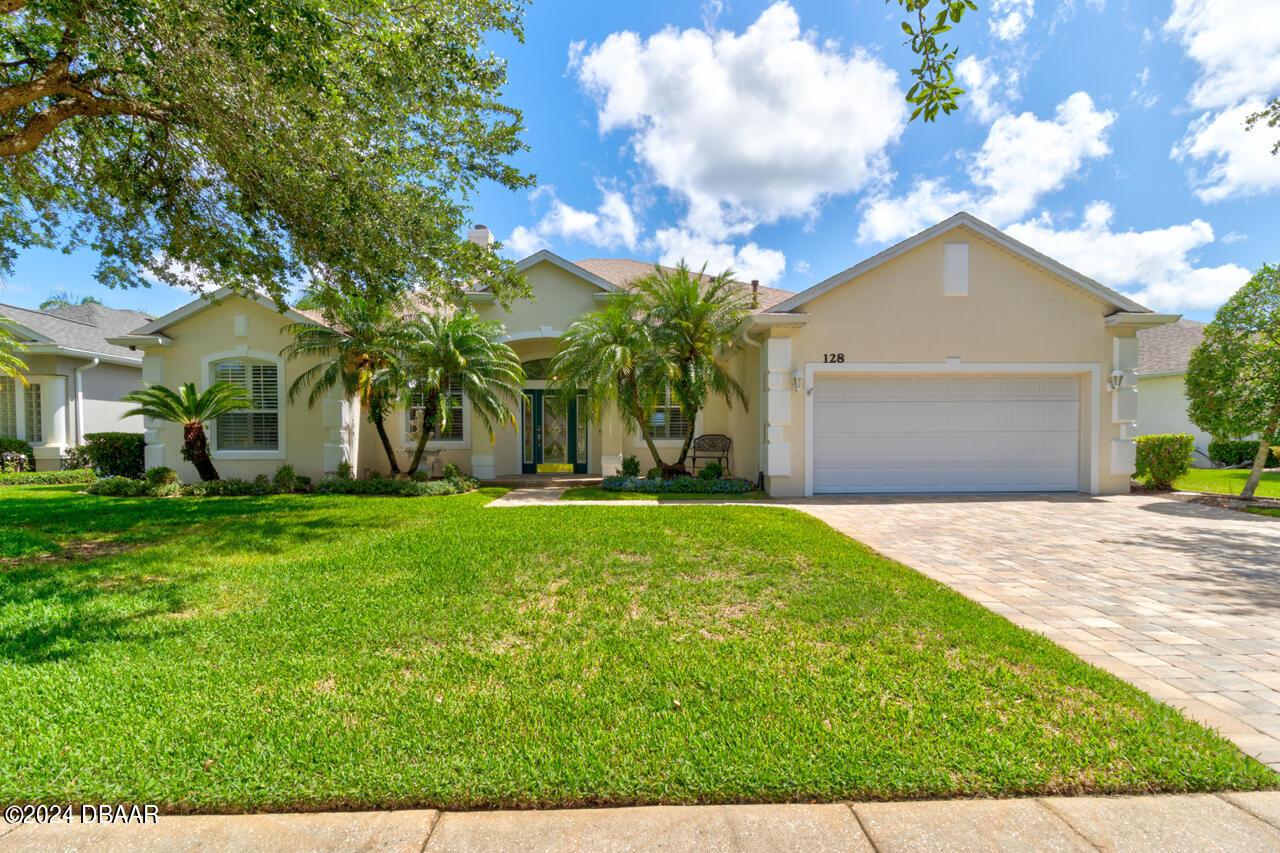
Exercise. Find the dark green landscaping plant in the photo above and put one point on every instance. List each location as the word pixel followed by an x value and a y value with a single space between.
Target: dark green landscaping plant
pixel 115 454
pixel 192 409
pixel 1162 459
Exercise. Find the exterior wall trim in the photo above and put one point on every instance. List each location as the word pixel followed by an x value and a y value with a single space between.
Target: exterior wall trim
pixel 1092 369
pixel 282 428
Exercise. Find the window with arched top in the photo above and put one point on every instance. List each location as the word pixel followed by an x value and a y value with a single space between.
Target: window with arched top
pixel 258 427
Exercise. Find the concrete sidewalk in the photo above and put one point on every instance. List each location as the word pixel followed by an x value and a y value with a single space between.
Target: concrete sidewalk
pixel 1167 824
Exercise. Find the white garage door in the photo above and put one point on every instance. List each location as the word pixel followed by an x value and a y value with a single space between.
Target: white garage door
pixel 946 433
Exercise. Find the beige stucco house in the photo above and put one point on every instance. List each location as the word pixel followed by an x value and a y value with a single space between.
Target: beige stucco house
pixel 74 378
pixel 959 360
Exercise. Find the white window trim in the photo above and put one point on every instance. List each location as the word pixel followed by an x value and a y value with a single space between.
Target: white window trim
pixel 669 443
pixel 1091 370
pixel 410 443
pixel 206 379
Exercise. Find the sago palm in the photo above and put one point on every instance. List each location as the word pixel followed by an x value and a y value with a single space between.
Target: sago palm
pixel 360 350
pixel 192 410
pixel 10 346
pixel 610 357
pixel 458 348
pixel 694 318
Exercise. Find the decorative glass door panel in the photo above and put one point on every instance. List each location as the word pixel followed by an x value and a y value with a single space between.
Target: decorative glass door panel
pixel 554 440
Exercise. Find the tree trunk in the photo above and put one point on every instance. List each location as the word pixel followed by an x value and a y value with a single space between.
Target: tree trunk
pixel 1259 462
pixel 386 444
pixel 637 412
pixel 690 418
pixel 425 429
pixel 195 446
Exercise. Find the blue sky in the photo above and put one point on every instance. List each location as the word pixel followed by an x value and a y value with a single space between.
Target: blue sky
pixel 773 137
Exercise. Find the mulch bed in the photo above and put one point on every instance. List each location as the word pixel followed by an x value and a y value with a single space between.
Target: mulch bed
pixel 1207 498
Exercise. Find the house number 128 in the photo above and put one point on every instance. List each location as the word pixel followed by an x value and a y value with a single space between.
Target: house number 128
pixel 833 358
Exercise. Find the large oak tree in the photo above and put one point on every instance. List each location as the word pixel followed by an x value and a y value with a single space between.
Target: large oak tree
pixel 255 143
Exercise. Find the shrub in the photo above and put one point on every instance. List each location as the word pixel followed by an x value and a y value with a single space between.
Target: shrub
pixel 47 478
pixel 76 459
pixel 344 470
pixel 452 471
pixel 230 488
pixel 1238 453
pixel 1163 458
pixel 286 479
pixel 17 445
pixel 118 487
pixel 161 476
pixel 678 485
pixel 713 471
pixel 335 485
pixel 654 473
pixel 630 467
pixel 115 454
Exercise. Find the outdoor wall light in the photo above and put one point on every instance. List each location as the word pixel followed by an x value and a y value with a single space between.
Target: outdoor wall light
pixel 797 379
pixel 1116 380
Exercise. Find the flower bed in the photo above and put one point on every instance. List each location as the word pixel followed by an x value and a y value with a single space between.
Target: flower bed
pixel 678 485
pixel 163 483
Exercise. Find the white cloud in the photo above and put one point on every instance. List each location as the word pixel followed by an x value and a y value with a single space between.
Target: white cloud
pixel 611 225
pixel 987 91
pixel 1157 267
pixel 1236 162
pixel 747 262
pixel 1234 237
pixel 1025 157
pixel 1141 92
pixel 747 128
pixel 889 218
pixel 1009 18
pixel 1022 159
pixel 1233 42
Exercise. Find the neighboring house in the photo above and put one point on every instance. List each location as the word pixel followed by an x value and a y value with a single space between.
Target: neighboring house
pixel 959 360
pixel 75 378
pixel 1163 354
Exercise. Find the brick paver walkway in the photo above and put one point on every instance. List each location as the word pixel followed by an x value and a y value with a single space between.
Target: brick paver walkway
pixel 1179 599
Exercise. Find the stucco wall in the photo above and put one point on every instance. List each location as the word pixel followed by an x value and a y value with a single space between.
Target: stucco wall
pixel 1162 408
pixel 1014 312
pixel 210 333
pixel 103 386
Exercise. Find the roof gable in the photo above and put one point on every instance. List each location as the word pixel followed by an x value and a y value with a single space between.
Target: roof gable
pixel 84 330
pixel 544 256
pixel 203 303
pixel 966 220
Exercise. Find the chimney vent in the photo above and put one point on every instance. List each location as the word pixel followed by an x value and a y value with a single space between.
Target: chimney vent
pixel 755 293
pixel 480 235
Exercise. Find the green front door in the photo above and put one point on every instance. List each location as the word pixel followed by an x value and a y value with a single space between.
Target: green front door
pixel 554 438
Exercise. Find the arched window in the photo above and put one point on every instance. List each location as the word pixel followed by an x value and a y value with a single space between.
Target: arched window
pixel 258 427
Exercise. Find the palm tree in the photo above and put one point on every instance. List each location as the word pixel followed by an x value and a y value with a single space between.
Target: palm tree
pixel 10 346
pixel 457 348
pixel 694 318
pixel 193 410
pixel 610 356
pixel 63 298
pixel 360 350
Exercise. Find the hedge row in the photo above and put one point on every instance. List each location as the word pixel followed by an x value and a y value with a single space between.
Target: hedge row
pixel 163 483
pixel 47 478
pixel 1239 453
pixel 115 454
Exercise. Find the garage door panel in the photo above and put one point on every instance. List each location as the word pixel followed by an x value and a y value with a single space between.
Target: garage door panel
pixel 933 433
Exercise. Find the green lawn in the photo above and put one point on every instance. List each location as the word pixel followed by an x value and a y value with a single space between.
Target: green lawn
pixel 595 493
pixel 1226 481
pixel 301 652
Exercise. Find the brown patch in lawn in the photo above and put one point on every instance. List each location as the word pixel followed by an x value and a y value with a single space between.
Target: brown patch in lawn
pixel 77 550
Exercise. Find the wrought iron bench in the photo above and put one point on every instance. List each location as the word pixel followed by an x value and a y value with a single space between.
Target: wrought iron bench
pixel 711 447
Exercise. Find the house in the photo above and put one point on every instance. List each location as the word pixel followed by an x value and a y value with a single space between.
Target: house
pixel 1163 354
pixel 75 377
pixel 959 360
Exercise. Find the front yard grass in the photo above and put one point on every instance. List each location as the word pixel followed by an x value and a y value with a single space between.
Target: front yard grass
pixel 1227 481
pixel 314 652
pixel 595 493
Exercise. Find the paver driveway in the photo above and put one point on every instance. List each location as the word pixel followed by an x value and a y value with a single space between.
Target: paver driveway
pixel 1181 600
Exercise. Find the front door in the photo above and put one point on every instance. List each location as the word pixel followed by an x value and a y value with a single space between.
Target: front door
pixel 554 438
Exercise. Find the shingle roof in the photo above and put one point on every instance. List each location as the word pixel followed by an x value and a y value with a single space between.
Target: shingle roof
pixel 80 327
pixel 1167 349
pixel 622 271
